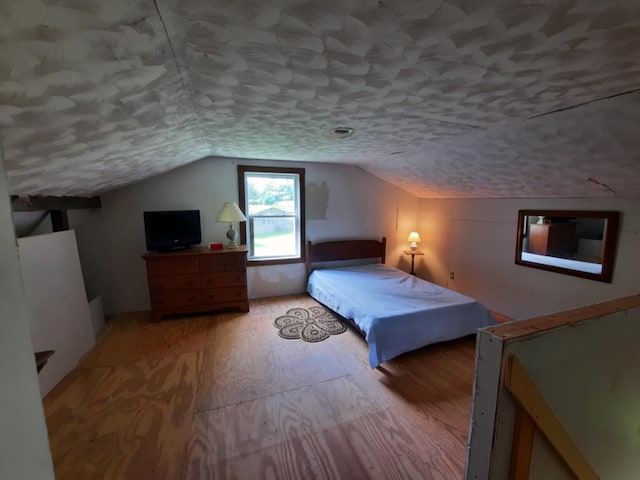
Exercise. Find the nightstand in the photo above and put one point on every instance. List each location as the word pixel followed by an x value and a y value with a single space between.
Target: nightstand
pixel 413 254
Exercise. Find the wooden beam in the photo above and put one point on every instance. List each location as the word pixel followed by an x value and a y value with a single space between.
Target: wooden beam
pixel 38 203
pixel 520 384
pixel 59 220
pixel 522 446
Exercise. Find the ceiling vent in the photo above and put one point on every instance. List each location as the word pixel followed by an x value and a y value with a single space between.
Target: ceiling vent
pixel 341 132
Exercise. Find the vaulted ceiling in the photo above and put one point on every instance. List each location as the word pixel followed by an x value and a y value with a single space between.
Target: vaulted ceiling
pixel 468 98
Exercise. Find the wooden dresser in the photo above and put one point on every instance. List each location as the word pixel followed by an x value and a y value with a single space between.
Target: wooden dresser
pixel 553 238
pixel 197 280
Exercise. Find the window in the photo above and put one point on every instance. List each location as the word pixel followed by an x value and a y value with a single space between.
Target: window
pixel 272 199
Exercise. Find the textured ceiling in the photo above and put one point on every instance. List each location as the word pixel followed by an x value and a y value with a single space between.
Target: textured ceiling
pixel 471 98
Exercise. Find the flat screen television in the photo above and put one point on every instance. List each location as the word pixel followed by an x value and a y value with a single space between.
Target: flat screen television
pixel 172 229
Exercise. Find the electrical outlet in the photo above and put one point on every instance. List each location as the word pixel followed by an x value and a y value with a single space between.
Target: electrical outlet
pixel 452 275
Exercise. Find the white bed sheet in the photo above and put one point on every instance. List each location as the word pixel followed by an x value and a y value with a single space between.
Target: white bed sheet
pixel 396 311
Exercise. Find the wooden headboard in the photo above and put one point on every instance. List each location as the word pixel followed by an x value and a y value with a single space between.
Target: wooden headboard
pixel 345 250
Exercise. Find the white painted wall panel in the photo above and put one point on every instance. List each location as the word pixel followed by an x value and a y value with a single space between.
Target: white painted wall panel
pixel 24 446
pixel 57 302
pixel 488 360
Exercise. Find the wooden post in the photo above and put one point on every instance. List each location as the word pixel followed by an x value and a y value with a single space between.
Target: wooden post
pixel 520 384
pixel 522 446
pixel 59 220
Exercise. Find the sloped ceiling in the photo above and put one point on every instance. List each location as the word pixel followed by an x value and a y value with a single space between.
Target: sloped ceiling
pixel 471 98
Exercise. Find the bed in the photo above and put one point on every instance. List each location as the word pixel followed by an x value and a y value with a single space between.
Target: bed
pixel 396 312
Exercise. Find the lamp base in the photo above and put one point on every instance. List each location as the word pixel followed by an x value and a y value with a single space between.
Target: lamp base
pixel 232 235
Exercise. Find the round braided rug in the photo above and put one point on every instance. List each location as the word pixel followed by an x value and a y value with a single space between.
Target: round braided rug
pixel 311 325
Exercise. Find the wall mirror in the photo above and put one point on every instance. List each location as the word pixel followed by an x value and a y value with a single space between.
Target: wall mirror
pixel 579 243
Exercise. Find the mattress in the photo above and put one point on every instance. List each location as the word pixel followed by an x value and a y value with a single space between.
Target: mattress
pixel 397 312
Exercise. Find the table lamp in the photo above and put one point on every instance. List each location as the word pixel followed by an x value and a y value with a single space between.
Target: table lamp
pixel 231 213
pixel 414 239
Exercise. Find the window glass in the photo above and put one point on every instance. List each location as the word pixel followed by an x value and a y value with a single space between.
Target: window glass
pixel 272 200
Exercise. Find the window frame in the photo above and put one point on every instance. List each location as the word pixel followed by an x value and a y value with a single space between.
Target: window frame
pixel 242 169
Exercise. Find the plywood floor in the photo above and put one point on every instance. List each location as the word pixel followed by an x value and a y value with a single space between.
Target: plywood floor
pixel 223 396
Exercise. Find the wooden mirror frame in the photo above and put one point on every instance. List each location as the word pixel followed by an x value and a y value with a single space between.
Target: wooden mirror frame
pixel 610 239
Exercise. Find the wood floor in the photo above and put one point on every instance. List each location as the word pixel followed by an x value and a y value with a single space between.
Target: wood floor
pixel 223 396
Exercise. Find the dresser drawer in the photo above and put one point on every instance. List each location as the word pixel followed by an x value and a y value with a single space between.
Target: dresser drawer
pixel 235 264
pixel 222 263
pixel 174 283
pixel 175 299
pixel 172 266
pixel 211 263
pixel 562 238
pixel 224 279
pixel 227 294
pixel 552 239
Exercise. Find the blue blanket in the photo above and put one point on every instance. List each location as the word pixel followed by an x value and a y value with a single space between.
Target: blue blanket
pixel 396 311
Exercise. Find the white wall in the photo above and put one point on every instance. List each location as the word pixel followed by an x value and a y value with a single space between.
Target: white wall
pixel 476 240
pixel 56 300
pixel 342 202
pixel 24 447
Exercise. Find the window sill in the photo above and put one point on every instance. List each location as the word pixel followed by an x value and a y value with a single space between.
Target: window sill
pixel 274 261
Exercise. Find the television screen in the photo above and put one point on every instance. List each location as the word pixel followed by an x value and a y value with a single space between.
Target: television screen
pixel 171 230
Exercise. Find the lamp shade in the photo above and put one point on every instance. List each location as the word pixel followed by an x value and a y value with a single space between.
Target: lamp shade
pixel 231 213
pixel 414 237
